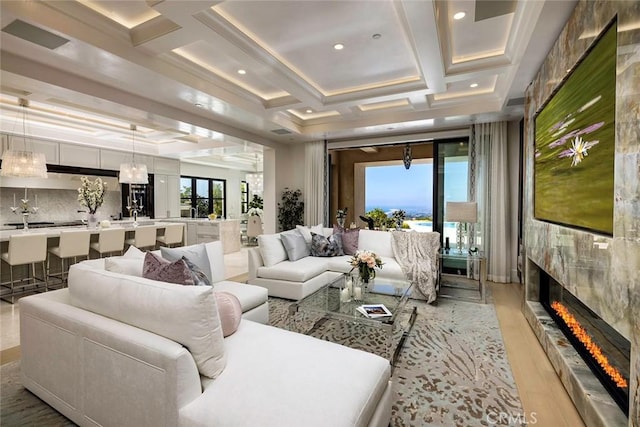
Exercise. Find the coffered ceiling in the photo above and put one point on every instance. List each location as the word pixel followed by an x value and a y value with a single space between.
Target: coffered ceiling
pixel 216 79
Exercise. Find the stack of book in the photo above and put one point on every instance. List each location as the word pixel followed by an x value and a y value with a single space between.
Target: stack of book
pixel 374 311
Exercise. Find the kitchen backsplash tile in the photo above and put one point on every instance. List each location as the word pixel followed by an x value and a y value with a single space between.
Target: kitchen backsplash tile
pixel 54 205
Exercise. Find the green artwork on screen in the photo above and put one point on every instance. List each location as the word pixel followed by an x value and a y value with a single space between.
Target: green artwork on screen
pixel 575 144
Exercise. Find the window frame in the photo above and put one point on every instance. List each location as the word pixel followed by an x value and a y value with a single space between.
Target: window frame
pixel 209 200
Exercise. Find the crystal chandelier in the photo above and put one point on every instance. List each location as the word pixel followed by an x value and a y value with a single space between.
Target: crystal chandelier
pixel 24 164
pixel 133 173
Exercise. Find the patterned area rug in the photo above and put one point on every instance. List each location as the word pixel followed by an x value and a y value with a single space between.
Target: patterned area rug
pixel 453 368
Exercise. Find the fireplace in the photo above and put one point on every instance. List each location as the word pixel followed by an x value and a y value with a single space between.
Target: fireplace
pixel 603 349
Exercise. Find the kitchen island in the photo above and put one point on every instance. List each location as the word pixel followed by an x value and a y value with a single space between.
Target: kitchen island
pixel 202 230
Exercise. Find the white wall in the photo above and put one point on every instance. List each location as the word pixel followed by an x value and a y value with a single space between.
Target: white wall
pixel 513 153
pixel 233 178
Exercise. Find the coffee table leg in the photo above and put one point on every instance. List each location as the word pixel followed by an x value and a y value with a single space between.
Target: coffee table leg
pixel 405 334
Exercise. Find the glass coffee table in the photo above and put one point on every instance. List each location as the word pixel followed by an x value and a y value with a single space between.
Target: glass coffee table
pixel 329 303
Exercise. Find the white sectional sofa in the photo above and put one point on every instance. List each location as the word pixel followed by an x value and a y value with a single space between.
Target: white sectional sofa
pixel 296 279
pixel 118 350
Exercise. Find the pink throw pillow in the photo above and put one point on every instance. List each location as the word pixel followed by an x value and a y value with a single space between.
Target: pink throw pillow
pixel 160 269
pixel 230 312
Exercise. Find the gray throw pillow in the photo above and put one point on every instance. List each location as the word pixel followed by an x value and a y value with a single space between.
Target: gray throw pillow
pixel 197 254
pixel 295 244
pixel 324 246
pixel 199 278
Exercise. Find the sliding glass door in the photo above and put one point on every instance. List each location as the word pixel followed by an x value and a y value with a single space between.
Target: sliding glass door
pixel 451 177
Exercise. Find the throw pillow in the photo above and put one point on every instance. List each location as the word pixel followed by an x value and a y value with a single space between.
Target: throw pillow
pixel 350 240
pixel 162 270
pixel 230 312
pixel 306 231
pixel 133 253
pixel 294 244
pixel 271 249
pixel 199 277
pixel 122 265
pixel 197 254
pixel 324 246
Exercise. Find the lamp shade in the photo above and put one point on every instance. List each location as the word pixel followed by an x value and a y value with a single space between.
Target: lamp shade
pixel 24 164
pixel 133 173
pixel 461 212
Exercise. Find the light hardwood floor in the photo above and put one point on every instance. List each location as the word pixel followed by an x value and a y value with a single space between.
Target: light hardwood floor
pixel 543 397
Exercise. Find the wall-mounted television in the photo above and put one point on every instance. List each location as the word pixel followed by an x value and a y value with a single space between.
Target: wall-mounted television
pixel 575 143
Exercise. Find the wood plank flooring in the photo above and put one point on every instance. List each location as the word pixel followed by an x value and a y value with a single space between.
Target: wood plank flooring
pixel 543 396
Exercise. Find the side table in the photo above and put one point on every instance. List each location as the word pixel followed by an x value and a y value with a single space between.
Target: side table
pixel 470 276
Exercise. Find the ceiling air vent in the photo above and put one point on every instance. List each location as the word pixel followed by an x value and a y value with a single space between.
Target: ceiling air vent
pixel 515 101
pixel 281 131
pixel 34 34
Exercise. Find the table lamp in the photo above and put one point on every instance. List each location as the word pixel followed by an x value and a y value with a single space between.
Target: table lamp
pixel 461 212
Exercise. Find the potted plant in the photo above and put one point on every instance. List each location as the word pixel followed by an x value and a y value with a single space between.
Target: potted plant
pixel 291 209
pixel 91 194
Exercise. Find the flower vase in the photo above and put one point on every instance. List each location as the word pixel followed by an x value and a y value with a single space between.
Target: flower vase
pixel 92 221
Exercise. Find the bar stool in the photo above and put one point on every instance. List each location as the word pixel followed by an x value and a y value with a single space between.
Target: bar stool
pixel 109 240
pixel 72 245
pixel 173 233
pixel 143 237
pixel 24 249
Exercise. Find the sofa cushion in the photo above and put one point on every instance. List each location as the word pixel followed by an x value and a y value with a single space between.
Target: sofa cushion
pixel 185 314
pixel 271 249
pixel 315 382
pixel 390 269
pixel 306 231
pixel 325 246
pixel 295 271
pixel 375 241
pixel 133 253
pixel 230 312
pixel 250 296
pixel 122 265
pixel 340 264
pixel 197 254
pixel 294 244
pixel 158 268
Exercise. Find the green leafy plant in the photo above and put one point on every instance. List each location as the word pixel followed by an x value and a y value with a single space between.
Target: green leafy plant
pixel 380 218
pixel 291 209
pixel 256 202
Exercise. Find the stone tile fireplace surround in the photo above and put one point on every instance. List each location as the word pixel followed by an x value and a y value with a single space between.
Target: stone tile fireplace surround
pixel 602 272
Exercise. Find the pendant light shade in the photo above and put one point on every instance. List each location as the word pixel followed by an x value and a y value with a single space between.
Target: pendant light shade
pixel 23 164
pixel 133 173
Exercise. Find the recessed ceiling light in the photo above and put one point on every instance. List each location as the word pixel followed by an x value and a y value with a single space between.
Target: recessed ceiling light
pixel 338 46
pixel 241 71
pixel 198 105
pixel 473 85
pixel 309 111
pixel 459 16
pixel 376 36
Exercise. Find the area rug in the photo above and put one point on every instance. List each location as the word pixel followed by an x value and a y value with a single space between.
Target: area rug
pixel 452 371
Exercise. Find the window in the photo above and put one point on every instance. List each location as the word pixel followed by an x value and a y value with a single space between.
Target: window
pixel 244 196
pixel 204 195
pixel 390 186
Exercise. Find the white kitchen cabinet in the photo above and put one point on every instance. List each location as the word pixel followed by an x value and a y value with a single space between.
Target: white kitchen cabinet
pixel 111 160
pixel 166 195
pixel 79 155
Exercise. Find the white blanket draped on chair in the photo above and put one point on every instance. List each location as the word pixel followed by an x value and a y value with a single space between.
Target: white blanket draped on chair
pixel 417 254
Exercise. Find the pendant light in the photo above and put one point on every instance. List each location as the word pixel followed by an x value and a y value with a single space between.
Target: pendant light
pixel 23 164
pixel 133 173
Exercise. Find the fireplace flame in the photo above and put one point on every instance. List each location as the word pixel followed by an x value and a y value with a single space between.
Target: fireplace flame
pixel 596 352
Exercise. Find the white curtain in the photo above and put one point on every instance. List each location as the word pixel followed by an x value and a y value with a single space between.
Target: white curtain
pixel 490 189
pixel 314 182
